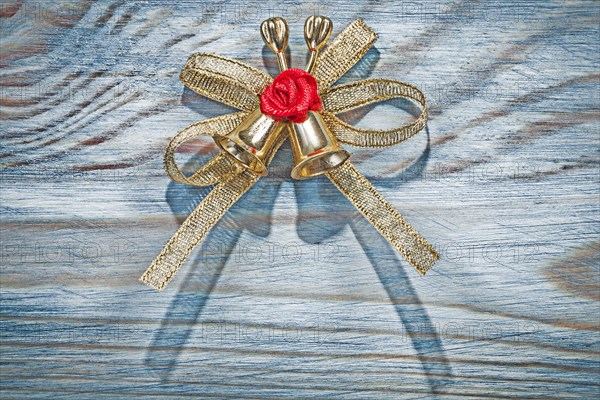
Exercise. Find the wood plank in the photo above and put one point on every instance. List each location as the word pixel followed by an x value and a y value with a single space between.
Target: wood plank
pixel 293 294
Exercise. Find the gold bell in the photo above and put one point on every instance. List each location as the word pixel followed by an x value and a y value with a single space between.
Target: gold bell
pixel 314 148
pixel 254 141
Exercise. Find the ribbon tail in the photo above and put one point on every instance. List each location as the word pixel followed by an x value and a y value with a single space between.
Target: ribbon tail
pixel 195 227
pixel 384 217
pixel 350 45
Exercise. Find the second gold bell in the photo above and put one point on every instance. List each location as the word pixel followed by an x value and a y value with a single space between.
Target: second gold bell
pixel 314 148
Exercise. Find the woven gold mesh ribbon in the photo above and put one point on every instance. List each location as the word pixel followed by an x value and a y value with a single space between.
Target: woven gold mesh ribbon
pixel 384 217
pixel 239 85
pixel 350 96
pixel 196 226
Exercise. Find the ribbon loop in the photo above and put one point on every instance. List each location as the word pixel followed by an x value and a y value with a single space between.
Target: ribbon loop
pixel 342 98
pixel 225 80
pixel 357 94
pixel 217 168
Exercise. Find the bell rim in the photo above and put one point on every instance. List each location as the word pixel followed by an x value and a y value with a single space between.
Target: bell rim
pixel 302 164
pixel 262 168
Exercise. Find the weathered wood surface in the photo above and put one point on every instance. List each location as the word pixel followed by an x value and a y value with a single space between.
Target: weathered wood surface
pixel 293 294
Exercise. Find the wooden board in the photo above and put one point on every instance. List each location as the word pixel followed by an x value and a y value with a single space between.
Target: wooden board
pixel 293 294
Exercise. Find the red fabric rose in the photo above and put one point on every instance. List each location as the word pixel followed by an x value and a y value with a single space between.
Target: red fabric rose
pixel 291 95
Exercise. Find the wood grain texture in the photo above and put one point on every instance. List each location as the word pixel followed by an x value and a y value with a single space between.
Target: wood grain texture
pixel 293 294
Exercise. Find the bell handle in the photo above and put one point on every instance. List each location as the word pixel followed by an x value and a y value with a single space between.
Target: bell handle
pixel 274 32
pixel 317 30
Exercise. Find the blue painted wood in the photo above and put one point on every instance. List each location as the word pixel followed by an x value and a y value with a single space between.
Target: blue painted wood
pixel 293 294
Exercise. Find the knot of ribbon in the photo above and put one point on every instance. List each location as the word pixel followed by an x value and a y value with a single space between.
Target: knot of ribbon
pixel 301 105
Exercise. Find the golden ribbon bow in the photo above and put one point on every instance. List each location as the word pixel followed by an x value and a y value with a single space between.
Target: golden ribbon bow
pixel 239 85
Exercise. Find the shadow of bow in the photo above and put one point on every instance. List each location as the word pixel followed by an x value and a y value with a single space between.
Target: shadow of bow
pixel 202 274
pixel 322 213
